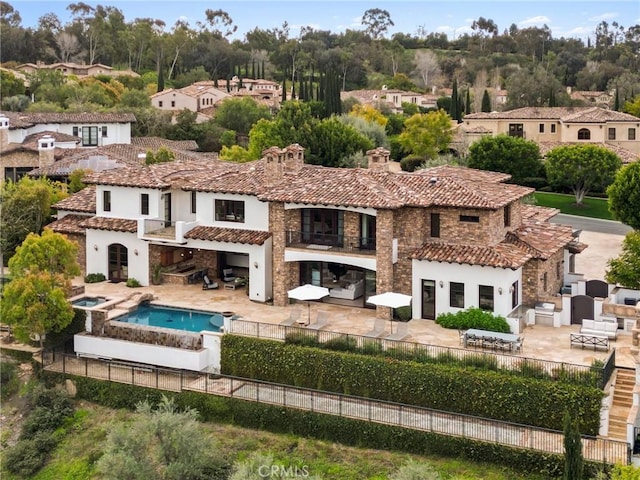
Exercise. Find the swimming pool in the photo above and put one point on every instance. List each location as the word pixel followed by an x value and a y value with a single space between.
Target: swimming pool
pixel 176 318
pixel 88 301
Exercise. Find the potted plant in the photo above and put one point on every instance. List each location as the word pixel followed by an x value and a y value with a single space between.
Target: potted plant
pixel 156 273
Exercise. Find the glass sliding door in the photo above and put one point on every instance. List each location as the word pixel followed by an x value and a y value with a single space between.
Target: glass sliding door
pixel 429 299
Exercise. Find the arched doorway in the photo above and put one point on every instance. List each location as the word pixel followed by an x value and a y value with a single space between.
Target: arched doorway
pixel 118 263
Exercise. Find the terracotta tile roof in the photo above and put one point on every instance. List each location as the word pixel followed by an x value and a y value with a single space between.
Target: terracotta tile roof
pixel 541 240
pixel 69 224
pixel 627 156
pixel 25 119
pixel 231 235
pixel 534 213
pixel 229 177
pixel 154 143
pixel 82 201
pixel 113 224
pixel 503 255
pixel 31 141
pixel 564 114
pixel 466 173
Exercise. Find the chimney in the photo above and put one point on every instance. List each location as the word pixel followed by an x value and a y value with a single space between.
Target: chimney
pixel 274 165
pixel 293 158
pixel 4 132
pixel 378 159
pixel 46 148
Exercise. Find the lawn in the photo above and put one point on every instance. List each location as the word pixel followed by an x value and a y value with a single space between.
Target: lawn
pixel 592 207
pixel 75 456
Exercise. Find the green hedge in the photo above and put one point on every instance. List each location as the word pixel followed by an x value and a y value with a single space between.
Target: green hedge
pixel 473 318
pixel 485 394
pixel 326 427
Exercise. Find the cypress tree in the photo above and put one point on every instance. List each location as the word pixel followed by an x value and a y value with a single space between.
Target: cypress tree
pixel 461 108
pixel 573 461
pixel 253 69
pixel 284 88
pixel 552 98
pixel 262 74
pixel 616 103
pixel 486 102
pixel 453 112
pixel 467 104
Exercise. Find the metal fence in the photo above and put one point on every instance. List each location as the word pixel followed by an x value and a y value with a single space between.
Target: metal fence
pixel 515 363
pixel 388 413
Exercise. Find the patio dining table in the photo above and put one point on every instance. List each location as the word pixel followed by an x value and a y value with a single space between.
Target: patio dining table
pixel 484 335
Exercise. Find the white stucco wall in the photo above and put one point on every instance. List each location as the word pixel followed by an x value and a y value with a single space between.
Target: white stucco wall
pixel 256 213
pixel 472 276
pixel 98 259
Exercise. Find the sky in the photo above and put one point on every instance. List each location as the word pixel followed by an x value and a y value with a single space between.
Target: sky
pixel 565 18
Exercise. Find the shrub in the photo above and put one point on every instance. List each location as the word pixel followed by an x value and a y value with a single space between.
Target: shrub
pixel 302 338
pixel 8 379
pixel 404 313
pixel 133 283
pixel 410 163
pixel 94 278
pixel 28 456
pixel 343 343
pixel 473 318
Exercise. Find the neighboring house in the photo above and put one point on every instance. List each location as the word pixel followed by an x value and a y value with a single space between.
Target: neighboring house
pixel 560 125
pixel 595 98
pixel 36 140
pixel 79 70
pixel 391 98
pixel 196 98
pixel 451 237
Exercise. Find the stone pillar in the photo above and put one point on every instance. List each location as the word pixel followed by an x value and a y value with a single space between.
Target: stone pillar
pixel 280 268
pixel 4 132
pixel 378 159
pixel 384 258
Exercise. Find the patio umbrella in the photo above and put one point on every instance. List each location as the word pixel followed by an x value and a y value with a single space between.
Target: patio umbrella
pixel 390 300
pixel 307 293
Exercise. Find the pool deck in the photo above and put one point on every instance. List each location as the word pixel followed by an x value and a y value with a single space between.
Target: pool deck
pixel 542 342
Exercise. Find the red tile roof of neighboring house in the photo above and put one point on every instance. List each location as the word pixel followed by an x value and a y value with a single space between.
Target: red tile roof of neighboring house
pixel 82 201
pixel 113 224
pixel 231 235
pixel 564 114
pixel 541 240
pixel 154 143
pixel 69 224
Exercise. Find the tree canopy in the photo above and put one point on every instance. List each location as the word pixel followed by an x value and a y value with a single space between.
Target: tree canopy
pixel 513 155
pixel 625 269
pixel 582 168
pixel 427 134
pixel 624 195
pixel 240 114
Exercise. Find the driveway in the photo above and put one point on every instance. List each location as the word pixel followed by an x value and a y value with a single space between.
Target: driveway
pixel 604 238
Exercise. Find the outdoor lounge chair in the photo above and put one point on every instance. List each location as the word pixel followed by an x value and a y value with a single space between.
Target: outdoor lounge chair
pixel 378 329
pixel 227 275
pixel 401 333
pixel 294 316
pixel 320 322
pixel 207 284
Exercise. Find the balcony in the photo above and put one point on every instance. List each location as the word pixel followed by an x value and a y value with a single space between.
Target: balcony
pixel 163 230
pixel 331 243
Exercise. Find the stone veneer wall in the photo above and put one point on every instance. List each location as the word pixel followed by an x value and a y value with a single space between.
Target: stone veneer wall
pixel 351 225
pixel 489 231
pixel 152 335
pixel 533 278
pixel 81 241
pixel 20 159
pixel 384 257
pixel 282 280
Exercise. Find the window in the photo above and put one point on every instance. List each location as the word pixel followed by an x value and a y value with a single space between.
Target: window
pixel 470 218
pixel 631 134
pixel 516 130
pixel 193 202
pixel 173 103
pixel 541 128
pixel 160 104
pixel 456 294
pixel 514 294
pixel 89 136
pixel 106 200
pixel 584 134
pixel 435 225
pixel 230 211
pixel 611 134
pixel 144 203
pixel 553 128
pixel 558 269
pixel 545 281
pixel 485 297
pixel 104 131
pixel 507 216
pixel 75 131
